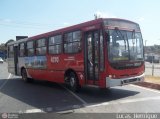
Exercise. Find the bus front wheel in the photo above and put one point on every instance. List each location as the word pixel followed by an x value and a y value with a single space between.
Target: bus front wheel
pixel 73 82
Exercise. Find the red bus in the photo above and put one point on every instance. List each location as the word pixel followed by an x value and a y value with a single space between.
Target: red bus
pixel 104 53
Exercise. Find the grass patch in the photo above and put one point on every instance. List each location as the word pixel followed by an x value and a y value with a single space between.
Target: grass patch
pixel 152 79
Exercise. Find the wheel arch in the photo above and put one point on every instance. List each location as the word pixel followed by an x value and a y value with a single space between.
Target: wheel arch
pixel 22 69
pixel 67 74
pixel 26 71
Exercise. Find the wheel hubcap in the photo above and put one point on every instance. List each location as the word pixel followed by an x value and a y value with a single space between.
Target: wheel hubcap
pixel 72 81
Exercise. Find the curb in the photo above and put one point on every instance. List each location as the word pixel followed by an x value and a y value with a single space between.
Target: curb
pixel 149 85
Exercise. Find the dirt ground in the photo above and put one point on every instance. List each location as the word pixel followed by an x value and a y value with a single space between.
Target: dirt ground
pixel 151 82
pixel 152 79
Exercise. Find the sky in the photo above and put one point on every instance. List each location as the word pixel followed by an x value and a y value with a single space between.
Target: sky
pixel 33 17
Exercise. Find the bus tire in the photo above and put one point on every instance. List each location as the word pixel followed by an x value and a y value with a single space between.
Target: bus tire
pixel 73 82
pixel 24 76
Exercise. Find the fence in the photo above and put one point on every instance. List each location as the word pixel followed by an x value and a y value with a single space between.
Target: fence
pixel 152 69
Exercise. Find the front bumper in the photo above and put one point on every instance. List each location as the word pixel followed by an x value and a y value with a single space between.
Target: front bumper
pixel 123 81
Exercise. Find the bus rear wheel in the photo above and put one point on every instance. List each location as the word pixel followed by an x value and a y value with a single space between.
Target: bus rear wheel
pixel 24 76
pixel 73 82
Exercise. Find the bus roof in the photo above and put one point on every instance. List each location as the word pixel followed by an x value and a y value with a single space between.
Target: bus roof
pixel 18 41
pixel 70 28
pixel 67 29
pixel 78 26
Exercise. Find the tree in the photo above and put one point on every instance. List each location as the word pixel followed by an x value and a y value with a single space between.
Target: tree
pixel 3 47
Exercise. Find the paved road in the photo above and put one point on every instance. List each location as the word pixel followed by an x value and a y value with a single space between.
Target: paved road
pixel 42 96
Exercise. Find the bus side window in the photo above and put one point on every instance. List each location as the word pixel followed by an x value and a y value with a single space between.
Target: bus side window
pixel 10 51
pixel 55 44
pixel 72 42
pixel 21 49
pixel 30 48
pixel 41 47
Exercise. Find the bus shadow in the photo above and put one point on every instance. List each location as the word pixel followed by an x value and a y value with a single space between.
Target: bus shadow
pixel 96 95
pixel 51 97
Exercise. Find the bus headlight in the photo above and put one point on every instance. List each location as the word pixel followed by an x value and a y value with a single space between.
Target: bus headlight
pixel 112 76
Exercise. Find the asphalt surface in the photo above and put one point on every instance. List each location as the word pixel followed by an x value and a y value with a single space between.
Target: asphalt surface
pixel 17 96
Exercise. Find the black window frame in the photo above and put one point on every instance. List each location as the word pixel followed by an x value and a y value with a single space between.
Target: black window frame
pixel 72 41
pixel 41 46
pixel 24 52
pixel 101 51
pixel 30 48
pixel 55 44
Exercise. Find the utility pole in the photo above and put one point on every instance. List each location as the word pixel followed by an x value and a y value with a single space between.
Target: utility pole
pixel 145 45
pixel 152 65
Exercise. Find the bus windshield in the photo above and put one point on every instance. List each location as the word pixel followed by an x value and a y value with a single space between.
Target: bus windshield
pixel 125 45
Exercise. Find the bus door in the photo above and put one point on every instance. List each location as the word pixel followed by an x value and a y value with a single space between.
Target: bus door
pixel 92 55
pixel 16 51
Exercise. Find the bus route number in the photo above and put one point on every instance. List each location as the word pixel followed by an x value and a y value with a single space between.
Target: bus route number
pixel 55 59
